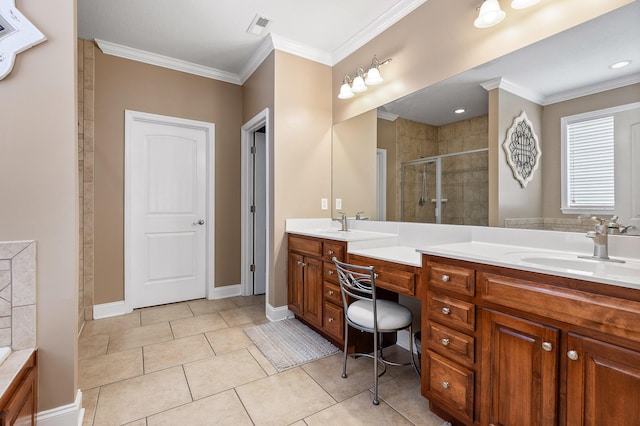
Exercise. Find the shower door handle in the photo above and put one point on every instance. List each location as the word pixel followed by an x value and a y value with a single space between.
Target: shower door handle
pixel 435 200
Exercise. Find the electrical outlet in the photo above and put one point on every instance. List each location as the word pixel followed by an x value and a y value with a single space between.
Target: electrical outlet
pixel 338 203
pixel 324 204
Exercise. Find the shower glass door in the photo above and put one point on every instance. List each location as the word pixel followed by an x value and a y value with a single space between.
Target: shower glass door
pixel 420 191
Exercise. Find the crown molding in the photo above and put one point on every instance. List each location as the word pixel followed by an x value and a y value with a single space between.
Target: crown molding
pixel 261 53
pixel 393 15
pixel 592 89
pixel 517 90
pixel 299 49
pixel 121 51
pixel 387 115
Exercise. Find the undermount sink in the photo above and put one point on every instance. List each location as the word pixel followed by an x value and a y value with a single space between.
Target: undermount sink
pixel 572 263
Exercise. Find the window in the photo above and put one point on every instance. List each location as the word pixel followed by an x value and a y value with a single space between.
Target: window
pixel 588 184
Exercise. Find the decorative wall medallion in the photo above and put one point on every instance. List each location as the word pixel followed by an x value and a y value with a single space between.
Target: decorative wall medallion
pixel 17 34
pixel 522 149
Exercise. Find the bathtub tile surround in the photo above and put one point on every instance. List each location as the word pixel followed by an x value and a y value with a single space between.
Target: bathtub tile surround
pixel 18 294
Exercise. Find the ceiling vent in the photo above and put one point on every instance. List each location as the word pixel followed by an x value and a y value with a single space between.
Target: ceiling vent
pixel 258 25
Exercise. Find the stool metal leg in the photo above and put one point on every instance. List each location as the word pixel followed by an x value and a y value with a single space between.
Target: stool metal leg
pixel 375 369
pixel 346 342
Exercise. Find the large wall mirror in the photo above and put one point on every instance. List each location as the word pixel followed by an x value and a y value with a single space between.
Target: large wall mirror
pixel 418 160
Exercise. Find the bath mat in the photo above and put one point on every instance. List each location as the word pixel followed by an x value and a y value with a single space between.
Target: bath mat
pixel 289 343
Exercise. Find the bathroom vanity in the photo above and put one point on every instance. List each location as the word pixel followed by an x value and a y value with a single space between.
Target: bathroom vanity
pixel 511 334
pixel 18 381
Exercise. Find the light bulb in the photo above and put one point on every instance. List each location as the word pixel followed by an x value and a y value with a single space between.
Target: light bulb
pixel 490 14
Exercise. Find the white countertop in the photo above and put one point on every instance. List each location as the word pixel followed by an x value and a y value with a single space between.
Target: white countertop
pixel 547 252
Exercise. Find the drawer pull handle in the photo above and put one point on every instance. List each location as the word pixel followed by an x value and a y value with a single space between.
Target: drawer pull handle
pixel 445 278
pixel 446 310
pixel 330 252
pixel 445 342
pixel 573 355
pixel 330 292
pixel 330 272
pixel 445 385
pixel 330 319
pixel 547 346
pixel 375 275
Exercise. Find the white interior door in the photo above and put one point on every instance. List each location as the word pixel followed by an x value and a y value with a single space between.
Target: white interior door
pixel 167 202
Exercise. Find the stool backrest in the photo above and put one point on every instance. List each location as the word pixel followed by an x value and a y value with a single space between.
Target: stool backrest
pixel 358 282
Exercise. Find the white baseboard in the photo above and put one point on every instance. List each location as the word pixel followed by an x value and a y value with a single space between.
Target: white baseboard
pixel 107 310
pixel 66 415
pixel 277 314
pixel 227 291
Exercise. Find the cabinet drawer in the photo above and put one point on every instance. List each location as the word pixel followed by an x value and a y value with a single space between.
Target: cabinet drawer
pixel 332 293
pixel 451 343
pixel 330 273
pixel 451 311
pixel 333 320
pixel 311 247
pixel 452 278
pixel 330 250
pixel 450 384
pixel 401 282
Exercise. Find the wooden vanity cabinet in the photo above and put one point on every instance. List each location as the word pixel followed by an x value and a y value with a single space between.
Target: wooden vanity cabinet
pixel 524 348
pixel 312 284
pixel 18 404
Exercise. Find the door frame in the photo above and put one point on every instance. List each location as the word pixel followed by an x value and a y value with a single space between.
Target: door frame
pixel 381 184
pixel 137 116
pixel 258 121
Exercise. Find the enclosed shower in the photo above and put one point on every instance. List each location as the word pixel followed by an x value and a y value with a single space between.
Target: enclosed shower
pixel 449 188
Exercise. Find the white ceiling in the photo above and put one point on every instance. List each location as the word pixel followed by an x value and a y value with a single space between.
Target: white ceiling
pixel 212 34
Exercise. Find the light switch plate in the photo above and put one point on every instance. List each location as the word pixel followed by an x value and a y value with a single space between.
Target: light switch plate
pixel 338 203
pixel 324 204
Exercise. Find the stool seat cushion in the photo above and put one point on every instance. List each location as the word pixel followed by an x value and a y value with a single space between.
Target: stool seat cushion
pixel 391 315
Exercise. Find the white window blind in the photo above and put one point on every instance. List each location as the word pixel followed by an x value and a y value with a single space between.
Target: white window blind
pixel 590 177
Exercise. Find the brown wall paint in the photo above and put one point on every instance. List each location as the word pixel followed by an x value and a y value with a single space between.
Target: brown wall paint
pixel 123 84
pixel 39 191
pixel 438 40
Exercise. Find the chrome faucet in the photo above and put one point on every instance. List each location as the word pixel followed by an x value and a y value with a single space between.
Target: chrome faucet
pixel 360 217
pixel 343 221
pixel 600 237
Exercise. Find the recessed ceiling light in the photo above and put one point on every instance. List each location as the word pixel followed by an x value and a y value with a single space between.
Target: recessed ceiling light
pixel 620 64
pixel 460 110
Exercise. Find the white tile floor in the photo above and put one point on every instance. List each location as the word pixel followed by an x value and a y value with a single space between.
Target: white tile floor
pixel 190 363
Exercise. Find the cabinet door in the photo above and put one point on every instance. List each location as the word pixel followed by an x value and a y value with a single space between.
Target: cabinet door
pixel 603 383
pixel 519 371
pixel 295 283
pixel 312 295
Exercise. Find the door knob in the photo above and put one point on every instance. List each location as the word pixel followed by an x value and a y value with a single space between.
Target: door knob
pixel 200 222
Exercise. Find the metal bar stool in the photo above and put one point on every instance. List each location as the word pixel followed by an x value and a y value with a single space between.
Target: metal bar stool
pixel 369 314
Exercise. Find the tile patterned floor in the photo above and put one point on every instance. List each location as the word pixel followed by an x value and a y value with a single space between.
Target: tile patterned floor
pixel 190 363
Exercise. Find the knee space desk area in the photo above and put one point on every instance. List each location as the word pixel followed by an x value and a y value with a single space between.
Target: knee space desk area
pixel 515 328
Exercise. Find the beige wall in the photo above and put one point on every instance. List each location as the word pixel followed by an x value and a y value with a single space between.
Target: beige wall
pixel 438 40
pixel 258 94
pixel 514 201
pixel 123 84
pixel 354 165
pixel 39 191
pixel 302 152
pixel 551 137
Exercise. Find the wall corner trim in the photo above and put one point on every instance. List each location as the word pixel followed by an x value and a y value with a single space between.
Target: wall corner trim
pixel 65 415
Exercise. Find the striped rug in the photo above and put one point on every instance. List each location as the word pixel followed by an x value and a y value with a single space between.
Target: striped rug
pixel 289 343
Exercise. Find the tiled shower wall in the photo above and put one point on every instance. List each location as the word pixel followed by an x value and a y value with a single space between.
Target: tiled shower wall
pixel 18 295
pixel 464 178
pixel 86 79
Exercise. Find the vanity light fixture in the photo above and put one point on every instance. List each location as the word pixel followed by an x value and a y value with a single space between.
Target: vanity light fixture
pixel 361 80
pixel 620 64
pixel 491 14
